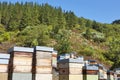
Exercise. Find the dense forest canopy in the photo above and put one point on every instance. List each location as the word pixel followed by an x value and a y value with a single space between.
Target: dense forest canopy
pixel 31 24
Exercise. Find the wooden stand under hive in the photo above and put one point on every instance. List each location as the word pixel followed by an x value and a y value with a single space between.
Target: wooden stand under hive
pixel 70 69
pixel 4 62
pixel 20 63
pixel 43 63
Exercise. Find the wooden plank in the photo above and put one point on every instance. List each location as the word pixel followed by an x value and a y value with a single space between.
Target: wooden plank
pixel 44 70
pixel 22 76
pixel 91 72
pixel 23 54
pixel 64 71
pixel 4 61
pixel 43 77
pixel 43 55
pixel 3 68
pixel 3 76
pixel 43 62
pixel 22 61
pixel 76 71
pixel 54 61
pixel 22 68
pixel 63 65
pixel 76 65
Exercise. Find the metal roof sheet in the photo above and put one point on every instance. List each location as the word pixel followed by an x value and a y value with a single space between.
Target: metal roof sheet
pixel 4 56
pixel 44 48
pixel 21 49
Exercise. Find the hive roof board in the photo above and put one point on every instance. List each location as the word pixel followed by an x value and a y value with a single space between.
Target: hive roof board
pixel 4 56
pixel 20 49
pixel 91 67
pixel 44 48
pixel 71 61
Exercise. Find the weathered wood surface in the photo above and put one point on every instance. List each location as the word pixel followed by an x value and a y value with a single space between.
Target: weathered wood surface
pixel 3 68
pixel 43 55
pixel 22 68
pixel 23 54
pixel 22 76
pixel 73 65
pixel 44 70
pixel 43 77
pixel 22 61
pixel 43 62
pixel 3 76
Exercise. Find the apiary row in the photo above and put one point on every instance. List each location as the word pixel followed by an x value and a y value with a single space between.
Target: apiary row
pixel 23 63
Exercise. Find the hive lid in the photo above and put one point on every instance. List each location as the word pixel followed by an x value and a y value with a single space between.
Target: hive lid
pixel 44 48
pixel 91 67
pixel 20 49
pixel 71 61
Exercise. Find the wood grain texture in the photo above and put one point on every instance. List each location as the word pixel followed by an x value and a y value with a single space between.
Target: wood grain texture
pixel 44 70
pixel 3 68
pixel 43 62
pixel 3 76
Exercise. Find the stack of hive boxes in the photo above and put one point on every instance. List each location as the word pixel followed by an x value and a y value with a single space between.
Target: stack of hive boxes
pixel 110 75
pixel 71 69
pixel 4 61
pixel 90 70
pixel 117 74
pixel 20 63
pixel 102 72
pixel 43 65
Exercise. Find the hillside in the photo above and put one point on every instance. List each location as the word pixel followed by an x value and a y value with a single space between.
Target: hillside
pixel 32 24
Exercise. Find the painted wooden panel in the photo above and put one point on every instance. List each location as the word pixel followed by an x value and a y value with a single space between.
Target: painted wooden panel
pixel 3 76
pixel 44 62
pixel 3 68
pixel 64 71
pixel 22 68
pixel 22 61
pixel 66 65
pixel 76 65
pixel 63 65
pixel 54 61
pixel 70 77
pixel 22 76
pixel 4 56
pixel 4 61
pixel 43 55
pixel 22 54
pixel 44 70
pixel 43 77
pixel 75 71
pixel 91 77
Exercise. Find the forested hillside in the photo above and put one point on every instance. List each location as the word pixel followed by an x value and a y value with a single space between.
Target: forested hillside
pixel 31 24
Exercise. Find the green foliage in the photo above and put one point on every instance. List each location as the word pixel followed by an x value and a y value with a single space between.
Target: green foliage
pixel 31 24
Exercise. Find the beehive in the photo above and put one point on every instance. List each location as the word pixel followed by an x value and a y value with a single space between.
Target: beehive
pixel 110 75
pixel 20 63
pixel 70 69
pixel 102 72
pixel 90 72
pixel 43 63
pixel 4 62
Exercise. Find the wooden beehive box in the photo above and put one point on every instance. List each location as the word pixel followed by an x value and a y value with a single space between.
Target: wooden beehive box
pixel 110 75
pixel 45 70
pixel 4 62
pixel 20 63
pixel 70 66
pixel 90 72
